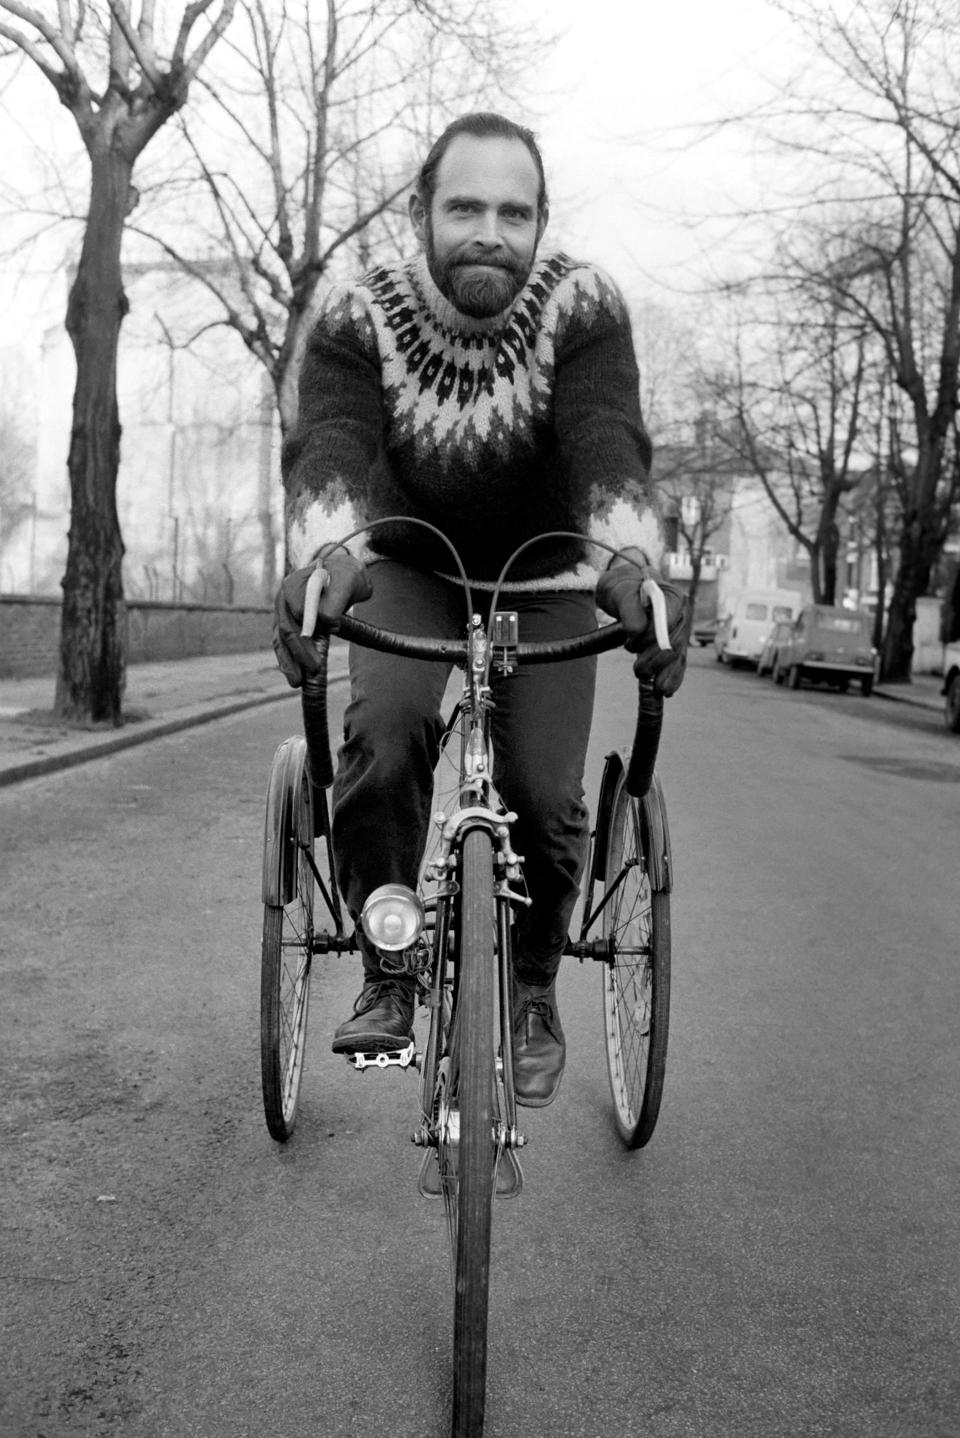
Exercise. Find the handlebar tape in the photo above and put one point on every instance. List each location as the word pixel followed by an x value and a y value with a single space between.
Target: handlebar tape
pixel 646 741
pixel 314 703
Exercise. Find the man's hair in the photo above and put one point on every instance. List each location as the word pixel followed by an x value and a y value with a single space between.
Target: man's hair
pixel 483 125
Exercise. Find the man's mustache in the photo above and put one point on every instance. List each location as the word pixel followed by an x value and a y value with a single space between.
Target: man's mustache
pixel 490 261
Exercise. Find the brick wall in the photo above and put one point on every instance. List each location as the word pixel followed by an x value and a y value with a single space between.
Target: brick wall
pixel 30 632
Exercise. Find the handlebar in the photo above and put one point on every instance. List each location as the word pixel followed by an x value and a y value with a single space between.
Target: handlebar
pixel 455 651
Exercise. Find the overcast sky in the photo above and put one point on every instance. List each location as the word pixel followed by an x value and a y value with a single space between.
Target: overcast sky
pixel 618 101
pixel 625 89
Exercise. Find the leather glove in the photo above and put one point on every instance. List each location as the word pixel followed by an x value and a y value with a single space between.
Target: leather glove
pixel 347 583
pixel 619 595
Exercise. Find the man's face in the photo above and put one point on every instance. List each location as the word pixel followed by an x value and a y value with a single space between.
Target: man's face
pixel 482 230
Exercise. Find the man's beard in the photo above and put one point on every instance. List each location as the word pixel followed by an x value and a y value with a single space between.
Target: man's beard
pixel 480 294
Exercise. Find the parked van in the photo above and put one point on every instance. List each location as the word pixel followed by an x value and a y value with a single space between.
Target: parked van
pixel 743 633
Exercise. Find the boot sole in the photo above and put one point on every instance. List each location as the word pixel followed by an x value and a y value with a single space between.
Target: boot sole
pixel 371 1043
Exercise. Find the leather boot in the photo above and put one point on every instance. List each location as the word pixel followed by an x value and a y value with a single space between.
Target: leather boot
pixel 539 1046
pixel 382 1018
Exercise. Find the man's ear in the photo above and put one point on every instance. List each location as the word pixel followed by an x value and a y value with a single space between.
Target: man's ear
pixel 542 221
pixel 418 217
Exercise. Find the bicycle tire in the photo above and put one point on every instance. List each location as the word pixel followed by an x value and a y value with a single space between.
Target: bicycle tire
pixel 473 1075
pixel 286 954
pixel 636 978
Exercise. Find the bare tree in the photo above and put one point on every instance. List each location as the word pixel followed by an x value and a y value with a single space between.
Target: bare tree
pixel 17 461
pixel 106 70
pixel 697 482
pixel 790 409
pixel 878 117
pixel 306 143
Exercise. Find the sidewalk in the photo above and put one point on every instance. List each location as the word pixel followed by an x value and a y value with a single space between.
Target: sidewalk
pixel 165 697
pixel 923 690
pixel 161 698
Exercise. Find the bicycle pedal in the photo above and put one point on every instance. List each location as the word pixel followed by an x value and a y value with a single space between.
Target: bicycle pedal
pixel 390 1058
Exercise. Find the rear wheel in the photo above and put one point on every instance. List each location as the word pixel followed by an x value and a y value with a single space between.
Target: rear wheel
pixel 286 955
pixel 866 685
pixel 636 980
pixel 472 1078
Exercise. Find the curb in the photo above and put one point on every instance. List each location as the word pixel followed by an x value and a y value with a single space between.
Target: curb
pixel 934 705
pixel 142 733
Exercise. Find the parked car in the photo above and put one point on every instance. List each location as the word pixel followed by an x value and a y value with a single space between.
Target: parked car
pixel 951 686
pixel 704 631
pixel 828 646
pixel 778 636
pixel 742 634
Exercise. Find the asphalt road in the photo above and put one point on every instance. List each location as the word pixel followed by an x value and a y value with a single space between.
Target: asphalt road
pixel 782 1261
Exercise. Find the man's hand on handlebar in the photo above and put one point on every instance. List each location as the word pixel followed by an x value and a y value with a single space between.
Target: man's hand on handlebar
pixel 344 581
pixel 619 593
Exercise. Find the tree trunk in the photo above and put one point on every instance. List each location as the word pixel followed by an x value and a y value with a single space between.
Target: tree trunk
pixel 917 554
pixel 829 541
pixel 92 672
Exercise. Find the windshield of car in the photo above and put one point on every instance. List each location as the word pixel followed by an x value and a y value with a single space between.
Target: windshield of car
pixel 840 623
pixel 782 611
pixel 756 611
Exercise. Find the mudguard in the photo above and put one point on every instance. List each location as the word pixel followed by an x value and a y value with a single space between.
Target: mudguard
pixel 657 838
pixel 286 795
pixel 612 769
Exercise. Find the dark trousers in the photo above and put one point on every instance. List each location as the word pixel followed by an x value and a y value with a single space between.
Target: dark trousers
pixel 540 727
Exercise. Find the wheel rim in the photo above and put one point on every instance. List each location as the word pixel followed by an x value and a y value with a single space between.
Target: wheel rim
pixel 288 937
pixel 627 987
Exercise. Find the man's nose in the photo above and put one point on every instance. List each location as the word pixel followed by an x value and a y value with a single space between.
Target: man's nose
pixel 488 229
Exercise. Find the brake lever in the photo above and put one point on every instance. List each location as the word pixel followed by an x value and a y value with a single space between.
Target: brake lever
pixel 654 596
pixel 316 584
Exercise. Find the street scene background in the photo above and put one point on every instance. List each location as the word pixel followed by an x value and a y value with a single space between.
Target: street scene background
pixel 773 186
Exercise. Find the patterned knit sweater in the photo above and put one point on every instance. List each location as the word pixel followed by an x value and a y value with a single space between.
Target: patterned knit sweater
pixel 494 430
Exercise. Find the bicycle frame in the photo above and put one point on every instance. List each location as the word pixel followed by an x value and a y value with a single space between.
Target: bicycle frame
pixel 476 806
pixel 471 886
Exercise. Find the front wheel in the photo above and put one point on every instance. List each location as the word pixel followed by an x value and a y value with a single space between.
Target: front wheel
pixel 472 1073
pixel 636 979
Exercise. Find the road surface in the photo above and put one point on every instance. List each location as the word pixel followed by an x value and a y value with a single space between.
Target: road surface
pixel 782 1261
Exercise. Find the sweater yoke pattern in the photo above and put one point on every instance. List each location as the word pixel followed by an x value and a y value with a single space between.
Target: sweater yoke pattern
pixel 467 395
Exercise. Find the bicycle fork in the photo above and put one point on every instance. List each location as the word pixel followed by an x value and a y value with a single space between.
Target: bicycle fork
pixel 439 1127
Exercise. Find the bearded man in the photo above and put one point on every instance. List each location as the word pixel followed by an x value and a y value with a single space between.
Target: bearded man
pixel 493 391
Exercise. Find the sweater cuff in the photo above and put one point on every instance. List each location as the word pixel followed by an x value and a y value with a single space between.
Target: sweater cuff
pixel 626 527
pixel 318 526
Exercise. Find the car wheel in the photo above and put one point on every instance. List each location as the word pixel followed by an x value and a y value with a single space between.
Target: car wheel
pixel 951 712
pixel 866 685
pixel 793 677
